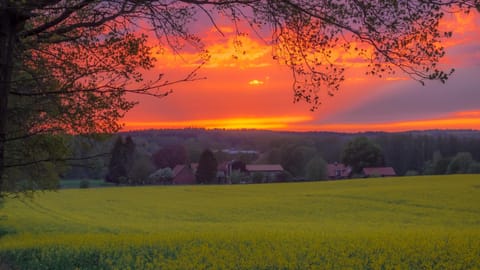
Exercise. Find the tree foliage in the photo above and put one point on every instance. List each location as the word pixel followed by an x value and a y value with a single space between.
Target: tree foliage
pixel 207 168
pixel 316 169
pixel 170 156
pixel 438 164
pixel 460 163
pixel 360 153
pixel 67 66
pixel 141 169
pixel 121 161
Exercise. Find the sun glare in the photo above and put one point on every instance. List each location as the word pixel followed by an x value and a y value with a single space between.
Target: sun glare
pixel 268 123
pixel 256 82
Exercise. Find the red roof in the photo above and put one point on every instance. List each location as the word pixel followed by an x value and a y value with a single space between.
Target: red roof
pixel 264 168
pixel 183 175
pixel 178 169
pixel 379 171
pixel 338 170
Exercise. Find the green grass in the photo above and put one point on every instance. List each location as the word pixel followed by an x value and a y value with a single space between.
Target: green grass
pixel 390 223
pixel 76 183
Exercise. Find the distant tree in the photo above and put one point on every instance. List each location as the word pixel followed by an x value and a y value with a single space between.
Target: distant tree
pixel 121 161
pixel 460 163
pixel 294 157
pixel 474 168
pixel 438 165
pixel 170 156
pixel 316 169
pixel 274 156
pixel 207 168
pixel 141 169
pixel 238 165
pixel 360 153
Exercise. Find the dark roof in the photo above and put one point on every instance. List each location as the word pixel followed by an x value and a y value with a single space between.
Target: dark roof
pixel 332 169
pixel 379 171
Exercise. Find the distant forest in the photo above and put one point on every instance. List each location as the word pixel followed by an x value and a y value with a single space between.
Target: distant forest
pixel 416 152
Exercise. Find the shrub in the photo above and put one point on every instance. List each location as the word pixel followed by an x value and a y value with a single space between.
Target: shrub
pixel 84 184
pixel 474 167
pixel 411 173
pixel 258 177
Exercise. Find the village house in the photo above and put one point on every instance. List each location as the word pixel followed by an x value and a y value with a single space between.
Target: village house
pixel 270 172
pixel 183 175
pixel 338 171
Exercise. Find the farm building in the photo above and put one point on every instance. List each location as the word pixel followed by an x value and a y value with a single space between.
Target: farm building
pixel 270 172
pixel 379 172
pixel 183 175
pixel 338 171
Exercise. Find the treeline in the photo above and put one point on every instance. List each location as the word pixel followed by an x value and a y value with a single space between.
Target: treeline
pixel 423 152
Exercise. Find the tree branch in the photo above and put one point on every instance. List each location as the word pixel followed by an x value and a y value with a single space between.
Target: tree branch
pixel 23 164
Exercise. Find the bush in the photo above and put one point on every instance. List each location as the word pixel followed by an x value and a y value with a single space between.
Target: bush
pixel 258 177
pixel 460 163
pixel 411 173
pixel 474 167
pixel 317 169
pixel 84 184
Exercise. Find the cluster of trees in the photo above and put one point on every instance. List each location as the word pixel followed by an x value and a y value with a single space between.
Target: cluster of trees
pixel 462 162
pixel 66 67
pixel 360 153
pixel 302 155
pixel 127 166
pixel 131 166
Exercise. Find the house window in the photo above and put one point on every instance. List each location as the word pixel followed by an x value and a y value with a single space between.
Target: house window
pixel 338 173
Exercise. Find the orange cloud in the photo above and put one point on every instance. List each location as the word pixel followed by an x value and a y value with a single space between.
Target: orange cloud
pixel 272 123
pixel 222 99
pixel 458 120
pixel 232 51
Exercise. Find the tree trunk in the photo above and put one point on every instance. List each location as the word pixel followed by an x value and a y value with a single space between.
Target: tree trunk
pixel 8 24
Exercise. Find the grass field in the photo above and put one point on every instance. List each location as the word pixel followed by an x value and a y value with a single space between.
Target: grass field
pixel 91 183
pixel 391 223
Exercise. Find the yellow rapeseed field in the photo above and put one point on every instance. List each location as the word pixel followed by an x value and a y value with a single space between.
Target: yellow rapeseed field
pixel 430 222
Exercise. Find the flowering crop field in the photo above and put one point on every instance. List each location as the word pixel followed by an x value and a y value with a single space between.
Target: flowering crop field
pixel 389 223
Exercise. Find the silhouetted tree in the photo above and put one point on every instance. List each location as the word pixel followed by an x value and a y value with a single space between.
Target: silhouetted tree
pixel 238 165
pixel 207 168
pixel 316 169
pixel 121 161
pixel 141 169
pixel 170 156
pixel 360 153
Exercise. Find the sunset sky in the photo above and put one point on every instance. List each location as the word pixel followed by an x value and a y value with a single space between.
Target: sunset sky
pixel 253 91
